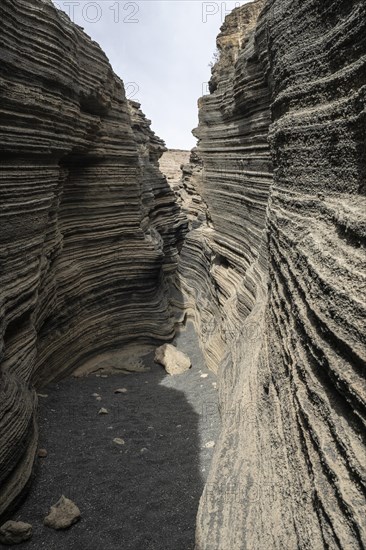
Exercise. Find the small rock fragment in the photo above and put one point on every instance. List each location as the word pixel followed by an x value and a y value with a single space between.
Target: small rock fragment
pixel 14 532
pixel 118 441
pixel 121 390
pixel 143 450
pixel 210 444
pixel 95 395
pixel 98 398
pixel 174 361
pixel 42 453
pixel 204 375
pixel 103 411
pixel 42 395
pixel 63 514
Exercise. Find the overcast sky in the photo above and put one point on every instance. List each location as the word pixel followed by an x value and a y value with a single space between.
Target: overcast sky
pixel 161 49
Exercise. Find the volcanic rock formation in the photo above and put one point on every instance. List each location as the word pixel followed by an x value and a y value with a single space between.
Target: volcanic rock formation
pixel 171 163
pixel 271 270
pixel 90 227
pixel 273 274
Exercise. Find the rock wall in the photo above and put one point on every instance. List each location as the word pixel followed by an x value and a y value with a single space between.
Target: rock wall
pixel 225 249
pixel 170 164
pixel 89 226
pixel 273 274
pixel 272 268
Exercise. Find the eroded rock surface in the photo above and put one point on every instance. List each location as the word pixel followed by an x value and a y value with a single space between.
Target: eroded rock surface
pixel 272 273
pixel 89 226
pixel 272 268
pixel 170 164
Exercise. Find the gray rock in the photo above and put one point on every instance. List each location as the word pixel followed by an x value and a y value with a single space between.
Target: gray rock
pixel 14 532
pixel 63 514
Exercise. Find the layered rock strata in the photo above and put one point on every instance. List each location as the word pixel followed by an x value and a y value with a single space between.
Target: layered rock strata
pixel 170 164
pixel 273 274
pixel 183 171
pixel 89 226
pixel 225 249
pixel 272 269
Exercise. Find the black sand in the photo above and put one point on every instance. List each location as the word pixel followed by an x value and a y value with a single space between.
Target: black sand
pixel 142 495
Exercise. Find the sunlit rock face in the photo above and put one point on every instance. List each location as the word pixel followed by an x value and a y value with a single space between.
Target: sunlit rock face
pixel 170 164
pixel 231 172
pixel 89 226
pixel 273 274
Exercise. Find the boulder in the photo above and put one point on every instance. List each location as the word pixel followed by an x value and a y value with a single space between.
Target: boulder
pixel 173 360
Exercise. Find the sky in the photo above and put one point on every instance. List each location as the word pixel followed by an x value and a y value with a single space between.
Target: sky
pixel 161 49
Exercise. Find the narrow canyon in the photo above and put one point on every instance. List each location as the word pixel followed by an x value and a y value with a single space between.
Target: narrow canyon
pixel 247 253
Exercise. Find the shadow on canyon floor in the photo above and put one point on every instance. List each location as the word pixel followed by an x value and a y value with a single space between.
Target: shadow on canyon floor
pixel 143 494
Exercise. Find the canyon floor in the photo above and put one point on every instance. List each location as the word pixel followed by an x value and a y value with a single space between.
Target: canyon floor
pixel 140 495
